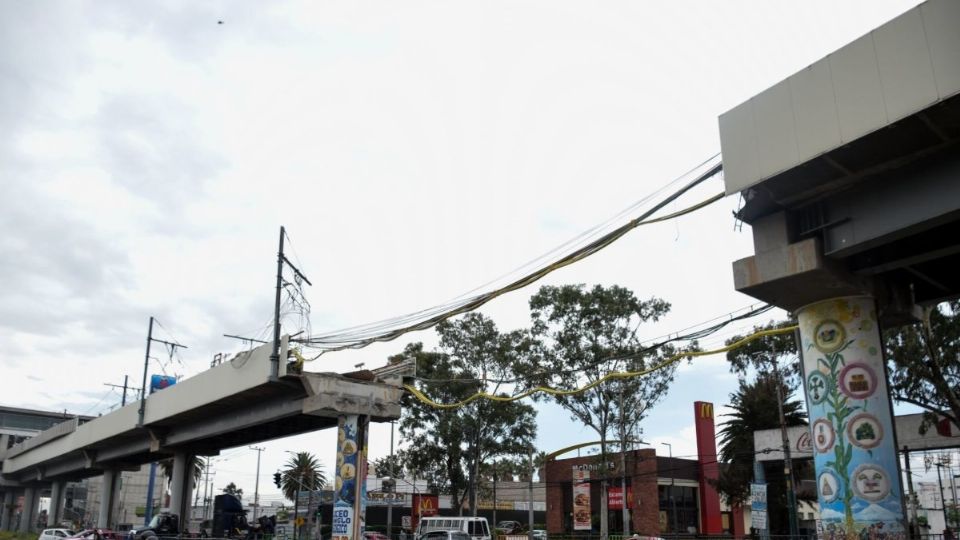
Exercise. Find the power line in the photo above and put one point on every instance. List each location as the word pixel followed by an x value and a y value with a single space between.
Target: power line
pixel 389 329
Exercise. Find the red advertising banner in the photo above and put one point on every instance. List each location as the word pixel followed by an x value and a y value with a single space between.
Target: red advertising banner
pixel 615 498
pixel 423 506
pixel 582 517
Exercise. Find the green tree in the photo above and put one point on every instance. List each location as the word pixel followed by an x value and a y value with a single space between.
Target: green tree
pixel 301 472
pixel 388 466
pixel 585 334
pixel 753 407
pixel 923 362
pixel 451 444
pixel 232 489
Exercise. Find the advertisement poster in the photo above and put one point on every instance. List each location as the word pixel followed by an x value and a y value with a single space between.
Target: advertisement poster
pixel 350 482
pixel 758 506
pixel 615 498
pixel 851 428
pixel 581 500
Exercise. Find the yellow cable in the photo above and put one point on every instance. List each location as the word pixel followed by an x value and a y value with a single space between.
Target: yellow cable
pixel 608 377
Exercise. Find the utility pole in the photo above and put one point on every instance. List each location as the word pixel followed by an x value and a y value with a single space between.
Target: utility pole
pixel 943 500
pixel 785 440
pixel 625 508
pixel 146 367
pixel 281 259
pixel 256 483
pixel 124 387
pixel 530 498
pixel 393 476
pixel 912 498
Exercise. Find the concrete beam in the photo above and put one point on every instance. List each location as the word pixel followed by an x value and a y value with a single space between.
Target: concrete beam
pixel 791 276
pixel 253 415
pixel 333 395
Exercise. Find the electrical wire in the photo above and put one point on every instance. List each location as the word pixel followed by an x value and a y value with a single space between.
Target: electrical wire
pixel 608 377
pixel 389 329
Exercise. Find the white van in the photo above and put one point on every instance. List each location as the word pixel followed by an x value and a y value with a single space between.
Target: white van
pixel 476 527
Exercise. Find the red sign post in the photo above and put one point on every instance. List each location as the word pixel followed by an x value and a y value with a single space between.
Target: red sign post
pixel 709 469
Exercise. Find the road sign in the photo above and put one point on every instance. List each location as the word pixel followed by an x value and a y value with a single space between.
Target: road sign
pixel 300 521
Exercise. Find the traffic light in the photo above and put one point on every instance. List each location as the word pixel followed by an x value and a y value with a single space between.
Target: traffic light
pixel 276 479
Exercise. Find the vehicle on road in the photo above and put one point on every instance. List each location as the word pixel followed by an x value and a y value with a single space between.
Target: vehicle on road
pixel 510 527
pixel 162 524
pixel 55 534
pixel 445 535
pixel 539 534
pixel 95 534
pixel 476 527
pixel 374 535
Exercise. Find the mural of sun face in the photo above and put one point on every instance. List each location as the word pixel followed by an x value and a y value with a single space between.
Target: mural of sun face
pixel 871 483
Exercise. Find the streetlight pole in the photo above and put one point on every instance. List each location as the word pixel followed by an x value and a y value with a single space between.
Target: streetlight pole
pixel 256 483
pixel 673 498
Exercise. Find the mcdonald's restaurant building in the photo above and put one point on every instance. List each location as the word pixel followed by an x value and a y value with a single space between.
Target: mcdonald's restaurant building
pixel 665 495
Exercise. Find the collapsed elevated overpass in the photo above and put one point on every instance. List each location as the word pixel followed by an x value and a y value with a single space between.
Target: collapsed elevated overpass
pixel 235 403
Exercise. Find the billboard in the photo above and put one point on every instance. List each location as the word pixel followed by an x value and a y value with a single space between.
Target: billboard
pixel 582 517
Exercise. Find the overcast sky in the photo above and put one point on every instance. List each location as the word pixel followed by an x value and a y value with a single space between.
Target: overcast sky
pixel 414 150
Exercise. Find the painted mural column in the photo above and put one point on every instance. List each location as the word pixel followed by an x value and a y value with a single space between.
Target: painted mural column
pixel 855 452
pixel 350 486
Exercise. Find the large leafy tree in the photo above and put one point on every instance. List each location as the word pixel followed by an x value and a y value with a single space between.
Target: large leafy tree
pixel 753 407
pixel 924 362
pixel 451 444
pixel 586 334
pixel 303 471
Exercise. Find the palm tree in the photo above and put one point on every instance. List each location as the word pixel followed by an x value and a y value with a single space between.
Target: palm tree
pixel 754 407
pixel 302 472
pixel 196 463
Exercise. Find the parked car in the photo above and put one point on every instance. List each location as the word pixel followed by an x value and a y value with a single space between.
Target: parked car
pixel 55 534
pixel 445 535
pixel 539 534
pixel 510 527
pixel 95 534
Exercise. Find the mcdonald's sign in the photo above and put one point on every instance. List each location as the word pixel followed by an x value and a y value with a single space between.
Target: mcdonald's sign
pixel 705 409
pixel 423 506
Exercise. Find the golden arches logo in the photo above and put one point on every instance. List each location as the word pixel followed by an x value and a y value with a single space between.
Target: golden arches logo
pixel 706 410
pixel 426 504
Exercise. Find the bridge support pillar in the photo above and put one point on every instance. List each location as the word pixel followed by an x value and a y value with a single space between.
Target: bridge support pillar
pixel 107 498
pixel 56 502
pixel 350 496
pixel 851 421
pixel 29 513
pixel 6 512
pixel 181 486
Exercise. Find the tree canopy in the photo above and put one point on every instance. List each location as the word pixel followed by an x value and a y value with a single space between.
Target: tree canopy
pixel 232 489
pixel 583 335
pixel 451 444
pixel 301 472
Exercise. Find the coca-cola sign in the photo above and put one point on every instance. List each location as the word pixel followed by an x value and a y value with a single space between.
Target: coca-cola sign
pixel 804 444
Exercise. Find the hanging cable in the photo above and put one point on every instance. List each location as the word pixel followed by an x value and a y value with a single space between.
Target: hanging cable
pixel 389 329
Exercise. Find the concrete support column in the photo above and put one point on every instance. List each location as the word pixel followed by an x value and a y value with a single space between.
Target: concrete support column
pixel 56 503
pixel 107 496
pixel 180 486
pixel 851 421
pixel 29 513
pixel 6 511
pixel 349 507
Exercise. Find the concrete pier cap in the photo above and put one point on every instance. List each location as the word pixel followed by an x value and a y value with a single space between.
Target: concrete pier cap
pixel 848 172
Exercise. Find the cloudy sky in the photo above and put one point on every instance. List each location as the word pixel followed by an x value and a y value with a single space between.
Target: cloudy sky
pixel 414 150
